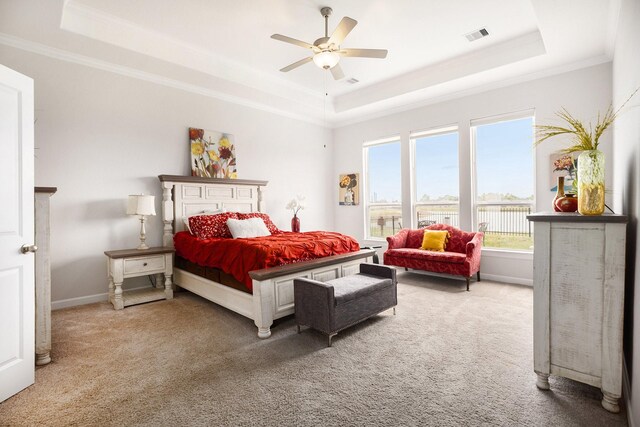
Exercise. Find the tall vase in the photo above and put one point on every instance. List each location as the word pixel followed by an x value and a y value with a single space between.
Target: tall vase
pixel 295 224
pixel 591 182
pixel 559 193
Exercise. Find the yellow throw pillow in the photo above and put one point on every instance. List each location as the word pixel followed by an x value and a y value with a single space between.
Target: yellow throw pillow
pixel 435 240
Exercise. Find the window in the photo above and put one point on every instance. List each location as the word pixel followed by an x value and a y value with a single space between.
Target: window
pixel 383 205
pixel 436 177
pixel 504 181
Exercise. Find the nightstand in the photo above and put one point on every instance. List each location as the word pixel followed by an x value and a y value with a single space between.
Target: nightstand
pixel 134 263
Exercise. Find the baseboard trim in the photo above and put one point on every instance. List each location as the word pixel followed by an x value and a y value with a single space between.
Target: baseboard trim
pixel 507 279
pixel 88 299
pixel 626 395
pixel 492 277
pixel 72 302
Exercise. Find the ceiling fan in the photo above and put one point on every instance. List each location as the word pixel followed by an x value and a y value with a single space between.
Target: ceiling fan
pixel 326 50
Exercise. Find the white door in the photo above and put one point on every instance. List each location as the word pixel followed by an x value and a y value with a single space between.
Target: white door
pixel 17 339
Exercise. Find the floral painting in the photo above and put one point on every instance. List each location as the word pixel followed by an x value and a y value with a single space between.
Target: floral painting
pixel 213 154
pixel 348 192
pixel 564 164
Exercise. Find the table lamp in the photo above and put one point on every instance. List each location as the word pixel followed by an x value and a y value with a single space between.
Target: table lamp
pixel 141 205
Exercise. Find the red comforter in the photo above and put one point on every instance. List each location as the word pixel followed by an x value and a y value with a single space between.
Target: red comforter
pixel 239 256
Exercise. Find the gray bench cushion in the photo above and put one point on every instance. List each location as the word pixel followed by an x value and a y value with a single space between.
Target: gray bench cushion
pixel 349 288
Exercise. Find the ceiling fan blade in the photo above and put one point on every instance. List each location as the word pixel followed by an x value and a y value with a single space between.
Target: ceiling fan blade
pixel 296 64
pixel 293 41
pixel 342 30
pixel 364 53
pixel 337 72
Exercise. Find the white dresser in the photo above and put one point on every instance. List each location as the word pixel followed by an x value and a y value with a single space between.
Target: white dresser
pixel 578 276
pixel 43 273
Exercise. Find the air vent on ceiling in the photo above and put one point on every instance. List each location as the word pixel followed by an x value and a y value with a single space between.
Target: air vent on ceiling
pixel 478 34
pixel 352 81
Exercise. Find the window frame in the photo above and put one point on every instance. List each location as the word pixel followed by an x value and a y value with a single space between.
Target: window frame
pixel 413 137
pixel 367 183
pixel 475 204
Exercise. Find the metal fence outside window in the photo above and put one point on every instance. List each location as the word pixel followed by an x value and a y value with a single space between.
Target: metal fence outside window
pixel 428 214
pixel 384 219
pixel 508 219
pixel 499 219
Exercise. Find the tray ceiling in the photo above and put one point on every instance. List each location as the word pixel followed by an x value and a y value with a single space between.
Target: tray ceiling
pixel 223 49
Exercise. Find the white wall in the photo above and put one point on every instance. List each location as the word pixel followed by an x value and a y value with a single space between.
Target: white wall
pixel 626 78
pixel 101 136
pixel 583 92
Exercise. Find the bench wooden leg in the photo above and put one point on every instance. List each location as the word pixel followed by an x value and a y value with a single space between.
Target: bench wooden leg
pixel 468 280
pixel 298 327
pixel 406 269
pixel 478 274
pixel 331 336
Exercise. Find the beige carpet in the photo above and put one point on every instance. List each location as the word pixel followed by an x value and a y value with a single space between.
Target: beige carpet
pixel 449 357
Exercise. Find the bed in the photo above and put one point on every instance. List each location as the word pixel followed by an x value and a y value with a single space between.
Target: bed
pixel 272 293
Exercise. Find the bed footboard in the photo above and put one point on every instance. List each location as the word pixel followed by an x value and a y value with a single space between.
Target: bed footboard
pixel 273 287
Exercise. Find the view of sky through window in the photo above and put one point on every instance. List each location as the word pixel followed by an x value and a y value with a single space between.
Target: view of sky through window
pixel 504 165
pixel 384 173
pixel 436 166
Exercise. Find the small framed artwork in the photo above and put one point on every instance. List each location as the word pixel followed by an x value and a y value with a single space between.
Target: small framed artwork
pixel 566 165
pixel 213 154
pixel 349 190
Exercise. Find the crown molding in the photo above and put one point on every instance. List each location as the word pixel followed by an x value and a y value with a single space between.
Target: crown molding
pixel 474 90
pixel 509 52
pixel 98 25
pixel 63 55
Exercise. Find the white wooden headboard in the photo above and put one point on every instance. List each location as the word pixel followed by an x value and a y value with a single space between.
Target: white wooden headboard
pixel 188 195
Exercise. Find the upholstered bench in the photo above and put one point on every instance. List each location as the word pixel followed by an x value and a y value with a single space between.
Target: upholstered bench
pixel 332 306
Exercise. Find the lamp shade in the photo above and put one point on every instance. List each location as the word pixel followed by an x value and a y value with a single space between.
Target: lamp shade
pixel 139 204
pixel 326 59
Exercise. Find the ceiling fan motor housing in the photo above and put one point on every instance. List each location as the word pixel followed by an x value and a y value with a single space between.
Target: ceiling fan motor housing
pixel 322 43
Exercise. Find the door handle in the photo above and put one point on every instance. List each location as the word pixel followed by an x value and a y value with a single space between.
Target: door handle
pixel 25 249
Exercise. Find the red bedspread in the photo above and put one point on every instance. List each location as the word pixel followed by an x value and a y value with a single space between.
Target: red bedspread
pixel 239 256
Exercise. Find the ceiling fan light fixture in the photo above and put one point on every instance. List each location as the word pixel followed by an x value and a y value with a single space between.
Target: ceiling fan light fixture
pixel 326 59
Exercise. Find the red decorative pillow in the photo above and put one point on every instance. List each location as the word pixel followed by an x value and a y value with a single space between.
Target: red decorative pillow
pixel 414 238
pixel 210 226
pixel 267 221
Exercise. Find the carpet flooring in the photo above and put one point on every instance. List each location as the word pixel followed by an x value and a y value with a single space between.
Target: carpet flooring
pixel 449 357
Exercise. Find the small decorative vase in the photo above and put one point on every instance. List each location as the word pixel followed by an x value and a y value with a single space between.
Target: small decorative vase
pixel 295 224
pixel 568 203
pixel 591 182
pixel 559 193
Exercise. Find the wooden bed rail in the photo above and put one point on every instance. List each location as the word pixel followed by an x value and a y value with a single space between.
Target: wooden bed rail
pixel 270 273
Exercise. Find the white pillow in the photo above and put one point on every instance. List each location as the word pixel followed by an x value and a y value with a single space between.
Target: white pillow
pixel 251 227
pixel 185 219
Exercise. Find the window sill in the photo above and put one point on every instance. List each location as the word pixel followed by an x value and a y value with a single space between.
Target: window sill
pixel 373 241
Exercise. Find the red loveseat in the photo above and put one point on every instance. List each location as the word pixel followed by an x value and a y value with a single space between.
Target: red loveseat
pixel 461 256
